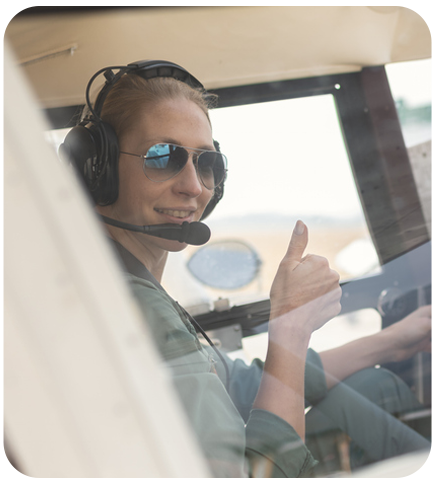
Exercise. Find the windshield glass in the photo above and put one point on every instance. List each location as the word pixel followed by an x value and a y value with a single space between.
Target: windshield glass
pixel 288 161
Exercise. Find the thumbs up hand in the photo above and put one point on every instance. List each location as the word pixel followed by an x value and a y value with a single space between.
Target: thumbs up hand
pixel 305 293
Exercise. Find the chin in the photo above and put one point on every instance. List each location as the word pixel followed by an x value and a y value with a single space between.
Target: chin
pixel 172 245
pixel 179 248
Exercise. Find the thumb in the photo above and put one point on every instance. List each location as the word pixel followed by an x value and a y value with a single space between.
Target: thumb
pixel 297 245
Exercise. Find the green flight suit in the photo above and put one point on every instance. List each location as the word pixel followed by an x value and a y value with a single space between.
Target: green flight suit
pixel 231 447
pixel 236 440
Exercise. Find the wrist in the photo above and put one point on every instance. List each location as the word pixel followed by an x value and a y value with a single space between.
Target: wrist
pixel 286 333
pixel 378 348
pixel 388 343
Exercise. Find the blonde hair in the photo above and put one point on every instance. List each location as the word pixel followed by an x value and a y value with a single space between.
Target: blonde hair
pixel 132 94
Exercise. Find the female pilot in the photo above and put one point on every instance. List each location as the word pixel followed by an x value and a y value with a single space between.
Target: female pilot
pixel 150 160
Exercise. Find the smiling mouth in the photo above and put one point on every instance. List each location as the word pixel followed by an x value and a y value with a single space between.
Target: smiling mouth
pixel 175 213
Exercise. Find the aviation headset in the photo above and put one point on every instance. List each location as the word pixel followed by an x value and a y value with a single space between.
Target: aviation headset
pixel 92 146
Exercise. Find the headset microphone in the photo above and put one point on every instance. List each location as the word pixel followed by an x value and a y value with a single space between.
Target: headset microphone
pixel 194 233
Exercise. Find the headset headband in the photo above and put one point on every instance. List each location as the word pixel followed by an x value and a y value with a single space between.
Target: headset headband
pixel 146 69
pixel 151 69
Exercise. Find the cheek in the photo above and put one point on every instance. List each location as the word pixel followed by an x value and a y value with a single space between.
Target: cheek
pixel 131 186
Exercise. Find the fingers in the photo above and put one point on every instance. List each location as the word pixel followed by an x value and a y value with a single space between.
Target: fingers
pixel 306 285
pixel 297 245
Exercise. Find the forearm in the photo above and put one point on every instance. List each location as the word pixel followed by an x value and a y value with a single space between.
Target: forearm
pixel 341 362
pixel 281 389
pixel 304 295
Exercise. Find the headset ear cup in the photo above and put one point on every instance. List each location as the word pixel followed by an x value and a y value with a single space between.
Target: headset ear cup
pixel 78 148
pixel 218 192
pixel 93 150
pixel 106 188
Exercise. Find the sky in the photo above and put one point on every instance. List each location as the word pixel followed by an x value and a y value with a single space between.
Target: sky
pixel 288 157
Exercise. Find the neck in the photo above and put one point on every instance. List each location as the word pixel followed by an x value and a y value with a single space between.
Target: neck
pixel 153 258
pixel 143 247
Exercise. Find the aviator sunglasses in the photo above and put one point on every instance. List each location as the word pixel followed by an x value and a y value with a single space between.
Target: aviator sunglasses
pixel 163 161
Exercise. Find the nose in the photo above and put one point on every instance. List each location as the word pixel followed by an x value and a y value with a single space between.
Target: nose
pixel 188 181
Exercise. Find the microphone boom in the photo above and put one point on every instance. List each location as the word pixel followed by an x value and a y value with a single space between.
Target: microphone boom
pixel 194 233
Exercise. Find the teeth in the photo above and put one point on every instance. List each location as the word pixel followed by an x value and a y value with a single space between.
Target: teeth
pixel 175 213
